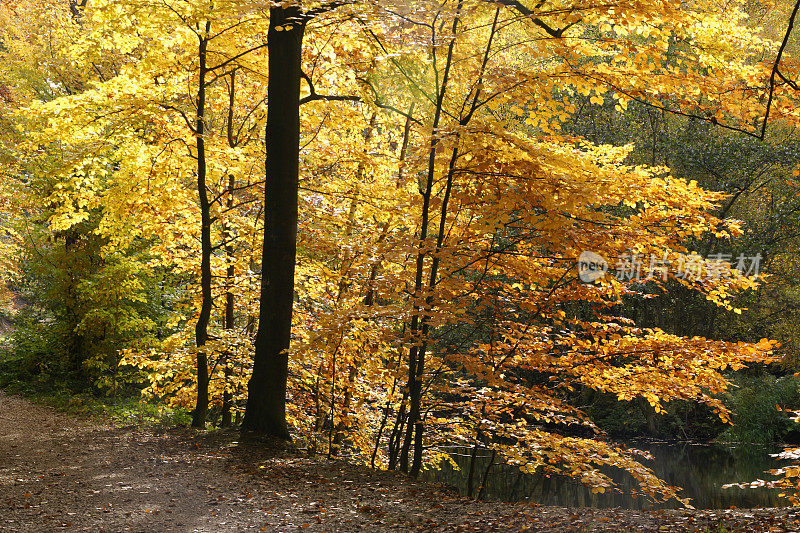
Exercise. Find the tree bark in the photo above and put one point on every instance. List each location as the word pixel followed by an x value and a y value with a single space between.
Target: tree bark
pixel 72 313
pixel 201 329
pixel 471 476
pixel 230 271
pixel 419 326
pixel 230 306
pixel 265 413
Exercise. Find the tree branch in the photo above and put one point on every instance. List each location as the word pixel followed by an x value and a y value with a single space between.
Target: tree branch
pixel 775 66
pixel 325 8
pixel 182 114
pixel 705 118
pixel 237 56
pixel 787 81
pixel 515 4
pixel 478 86
pixel 388 107
pixel 329 97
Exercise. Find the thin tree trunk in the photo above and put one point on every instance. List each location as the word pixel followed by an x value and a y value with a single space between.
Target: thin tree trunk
pixel 72 314
pixel 230 273
pixel 482 489
pixel 397 433
pixel 419 323
pixel 352 365
pixel 230 306
pixel 201 329
pixel 416 370
pixel 471 475
pixel 419 426
pixel 474 458
pixel 369 299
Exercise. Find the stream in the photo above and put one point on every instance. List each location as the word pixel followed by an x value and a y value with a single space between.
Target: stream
pixel 700 469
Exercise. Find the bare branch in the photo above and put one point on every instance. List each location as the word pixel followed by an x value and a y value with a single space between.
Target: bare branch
pixel 705 118
pixel 553 32
pixel 479 84
pixel 787 81
pixel 388 107
pixel 237 56
pixel 775 68
pixel 182 114
pixel 224 74
pixel 328 97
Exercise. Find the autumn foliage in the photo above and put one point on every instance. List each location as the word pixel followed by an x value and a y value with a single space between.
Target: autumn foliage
pixel 442 208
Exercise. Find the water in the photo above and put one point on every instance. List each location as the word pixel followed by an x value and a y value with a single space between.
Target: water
pixel 701 469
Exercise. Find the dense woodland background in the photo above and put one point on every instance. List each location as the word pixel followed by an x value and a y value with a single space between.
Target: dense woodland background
pixel 433 171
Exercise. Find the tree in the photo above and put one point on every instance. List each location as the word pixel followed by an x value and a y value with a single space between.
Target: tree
pixel 54 257
pixel 288 53
pixel 154 120
pixel 266 400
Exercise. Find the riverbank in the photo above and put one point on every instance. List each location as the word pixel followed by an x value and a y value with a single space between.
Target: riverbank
pixel 63 473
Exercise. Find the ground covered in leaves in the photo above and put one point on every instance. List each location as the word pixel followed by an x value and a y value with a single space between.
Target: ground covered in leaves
pixel 58 472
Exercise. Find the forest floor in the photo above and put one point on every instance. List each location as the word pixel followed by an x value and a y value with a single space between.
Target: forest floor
pixel 59 472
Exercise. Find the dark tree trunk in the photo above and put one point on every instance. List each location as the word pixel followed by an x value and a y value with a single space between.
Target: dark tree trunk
pixel 201 329
pixel 230 301
pixel 76 8
pixel 471 476
pixel 72 312
pixel 419 322
pixel 482 489
pixel 266 403
pixel 397 433
pixel 230 273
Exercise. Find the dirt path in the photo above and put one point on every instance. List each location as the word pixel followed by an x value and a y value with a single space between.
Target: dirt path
pixel 58 473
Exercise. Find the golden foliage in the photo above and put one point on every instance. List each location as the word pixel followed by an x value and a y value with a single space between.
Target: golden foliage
pixel 441 214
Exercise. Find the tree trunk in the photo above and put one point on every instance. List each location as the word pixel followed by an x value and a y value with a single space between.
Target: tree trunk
pixel 230 307
pixel 419 322
pixel 230 272
pixel 72 312
pixel 482 489
pixel 471 476
pixel 266 403
pixel 201 329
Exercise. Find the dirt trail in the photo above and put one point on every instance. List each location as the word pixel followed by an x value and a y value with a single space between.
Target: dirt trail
pixel 58 472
